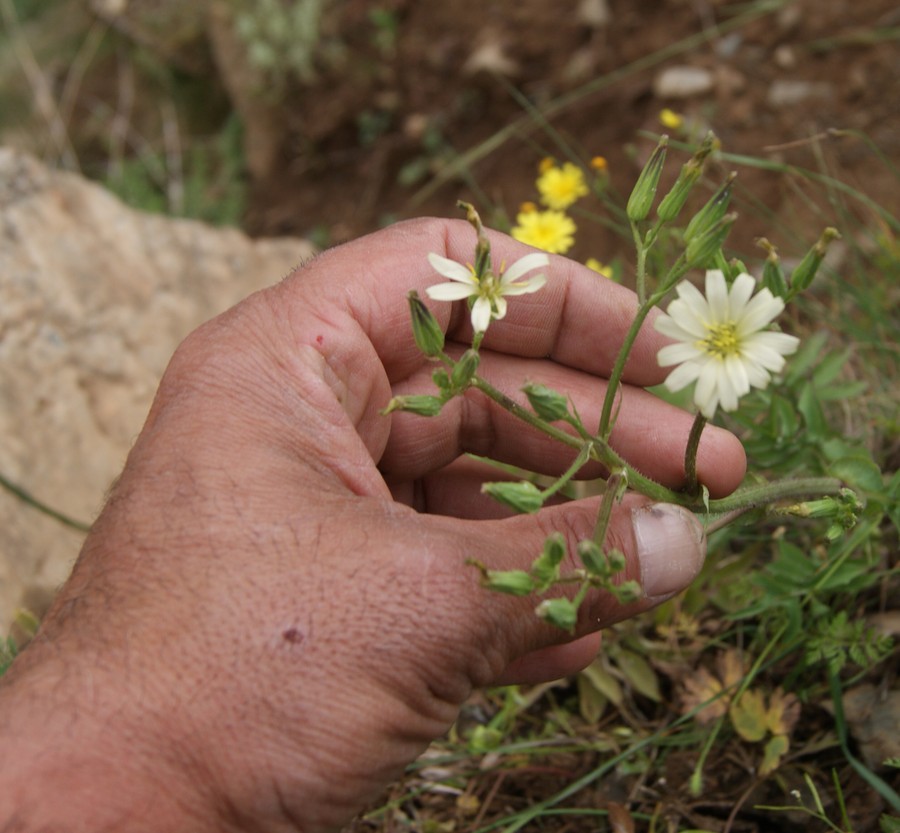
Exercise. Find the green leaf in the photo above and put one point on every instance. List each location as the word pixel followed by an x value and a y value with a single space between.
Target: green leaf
pixel 639 673
pixel 748 716
pixel 775 749
pixel 858 471
pixel 600 678
pixel 591 702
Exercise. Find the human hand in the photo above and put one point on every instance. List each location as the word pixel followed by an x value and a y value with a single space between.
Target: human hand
pixel 273 615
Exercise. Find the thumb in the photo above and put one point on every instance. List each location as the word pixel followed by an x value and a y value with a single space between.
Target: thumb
pixel 664 547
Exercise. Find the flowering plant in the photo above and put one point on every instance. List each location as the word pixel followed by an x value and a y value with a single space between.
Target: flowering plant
pixel 724 342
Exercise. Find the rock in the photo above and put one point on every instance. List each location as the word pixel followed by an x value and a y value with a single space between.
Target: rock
pixel 94 298
pixel 788 93
pixel 682 82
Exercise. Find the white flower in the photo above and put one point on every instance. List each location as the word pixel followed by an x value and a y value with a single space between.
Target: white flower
pixel 723 343
pixel 488 291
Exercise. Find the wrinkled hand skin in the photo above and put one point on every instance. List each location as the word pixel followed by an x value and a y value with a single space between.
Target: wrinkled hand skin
pixel 272 615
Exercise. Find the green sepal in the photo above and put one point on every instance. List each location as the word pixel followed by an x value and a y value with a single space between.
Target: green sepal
pixel 416 404
pixel 523 496
pixel 546 402
pixel 513 582
pixel 641 199
pixel 426 331
pixel 560 612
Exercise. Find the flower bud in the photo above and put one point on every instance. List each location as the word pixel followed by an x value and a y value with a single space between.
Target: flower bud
pixel 547 403
pixel 712 212
pixel 593 558
pixel 773 275
pixel 674 201
pixel 523 496
pixel 560 612
pixel 545 568
pixel 641 199
pixel 464 369
pixel 616 561
pixel 421 405
pixel 426 331
pixel 700 250
pixel 514 582
pixel 803 275
pixel 628 592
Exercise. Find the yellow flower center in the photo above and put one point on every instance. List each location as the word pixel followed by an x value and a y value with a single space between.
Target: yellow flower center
pixel 721 340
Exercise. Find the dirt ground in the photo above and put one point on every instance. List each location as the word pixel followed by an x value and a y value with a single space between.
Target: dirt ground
pixel 359 149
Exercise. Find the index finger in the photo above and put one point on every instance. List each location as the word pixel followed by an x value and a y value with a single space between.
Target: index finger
pixel 578 319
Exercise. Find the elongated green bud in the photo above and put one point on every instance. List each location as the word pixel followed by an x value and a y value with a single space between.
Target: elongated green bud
pixel 545 568
pixel 422 405
pixel 547 403
pixel 483 245
pixel 523 496
pixel 560 612
pixel 426 331
pixel 464 369
pixel 514 582
pixel 593 558
pixel 641 199
pixel 773 275
pixel 712 212
pixel 803 275
pixel 701 250
pixel 674 201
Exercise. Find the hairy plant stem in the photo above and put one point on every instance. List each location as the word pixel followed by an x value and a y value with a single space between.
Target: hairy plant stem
pixel 692 485
pixel 744 499
pixel 613 491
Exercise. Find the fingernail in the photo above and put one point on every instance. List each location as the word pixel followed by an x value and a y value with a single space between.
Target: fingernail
pixel 671 547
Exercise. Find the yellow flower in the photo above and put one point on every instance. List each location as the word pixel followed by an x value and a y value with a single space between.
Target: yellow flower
pixel 527 207
pixel 560 187
pixel 546 164
pixel 671 119
pixel 551 231
pixel 599 164
pixel 602 268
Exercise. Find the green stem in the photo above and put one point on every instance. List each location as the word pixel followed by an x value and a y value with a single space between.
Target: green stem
pixel 613 488
pixel 640 283
pixel 756 496
pixel 49 511
pixel 570 472
pixel 692 486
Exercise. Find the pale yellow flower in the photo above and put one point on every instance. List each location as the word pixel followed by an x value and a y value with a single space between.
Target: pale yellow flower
pixel 560 187
pixel 552 231
pixel 723 340
pixel 488 291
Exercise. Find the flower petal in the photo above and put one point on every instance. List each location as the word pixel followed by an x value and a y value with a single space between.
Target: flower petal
pixel 500 306
pixel 682 376
pixel 535 260
pixel 450 291
pixel 741 290
pixel 736 371
pixel 759 312
pixel 693 302
pixel 683 314
pixel 717 296
pixel 481 315
pixel 451 269
pixel 668 326
pixel 524 287
pixel 678 353
pixel 707 391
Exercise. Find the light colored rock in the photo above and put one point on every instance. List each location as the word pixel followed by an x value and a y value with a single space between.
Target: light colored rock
pixel 94 298
pixel 682 82
pixel 789 93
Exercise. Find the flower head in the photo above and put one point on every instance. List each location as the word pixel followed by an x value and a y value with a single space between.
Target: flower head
pixel 560 187
pixel 551 230
pixel 488 290
pixel 722 340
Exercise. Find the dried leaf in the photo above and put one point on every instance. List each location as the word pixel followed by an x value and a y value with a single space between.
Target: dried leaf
pixel 783 712
pixel 730 667
pixel 620 819
pixel 748 716
pixel 699 688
